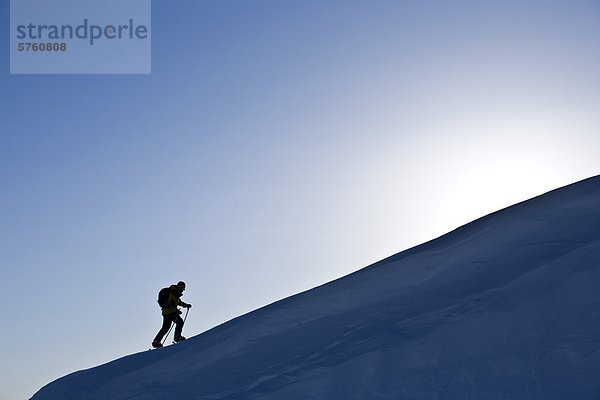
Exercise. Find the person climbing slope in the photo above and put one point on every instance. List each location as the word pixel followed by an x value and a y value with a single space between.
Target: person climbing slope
pixel 169 300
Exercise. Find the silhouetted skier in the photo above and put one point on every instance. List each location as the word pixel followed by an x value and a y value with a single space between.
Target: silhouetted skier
pixel 169 300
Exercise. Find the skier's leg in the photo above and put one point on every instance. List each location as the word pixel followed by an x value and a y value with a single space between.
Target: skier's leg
pixel 166 325
pixel 178 327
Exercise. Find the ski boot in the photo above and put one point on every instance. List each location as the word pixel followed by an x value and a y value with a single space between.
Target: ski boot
pixel 179 339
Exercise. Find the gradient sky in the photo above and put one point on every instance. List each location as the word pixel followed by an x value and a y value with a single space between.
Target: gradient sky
pixel 276 145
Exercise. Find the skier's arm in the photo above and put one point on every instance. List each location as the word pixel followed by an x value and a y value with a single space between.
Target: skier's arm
pixel 183 304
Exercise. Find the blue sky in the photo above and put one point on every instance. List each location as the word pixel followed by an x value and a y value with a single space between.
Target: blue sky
pixel 276 145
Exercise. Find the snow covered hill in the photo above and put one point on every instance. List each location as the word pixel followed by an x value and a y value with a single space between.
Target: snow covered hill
pixel 506 307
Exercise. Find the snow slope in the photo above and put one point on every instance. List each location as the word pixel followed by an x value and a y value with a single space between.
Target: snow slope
pixel 506 307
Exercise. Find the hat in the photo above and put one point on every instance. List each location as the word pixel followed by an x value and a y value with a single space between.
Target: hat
pixel 181 285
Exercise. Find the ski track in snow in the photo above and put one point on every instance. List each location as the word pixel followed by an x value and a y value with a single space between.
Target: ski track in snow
pixel 506 307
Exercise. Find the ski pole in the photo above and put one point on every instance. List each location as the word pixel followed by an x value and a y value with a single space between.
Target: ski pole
pixel 167 335
pixel 186 313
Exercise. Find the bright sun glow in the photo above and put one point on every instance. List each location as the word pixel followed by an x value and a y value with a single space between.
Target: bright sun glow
pixel 498 173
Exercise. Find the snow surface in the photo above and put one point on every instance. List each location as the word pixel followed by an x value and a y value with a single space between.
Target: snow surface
pixel 506 307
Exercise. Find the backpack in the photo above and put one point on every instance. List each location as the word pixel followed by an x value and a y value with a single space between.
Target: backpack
pixel 163 297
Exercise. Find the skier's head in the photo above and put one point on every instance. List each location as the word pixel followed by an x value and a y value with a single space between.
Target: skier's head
pixel 181 285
